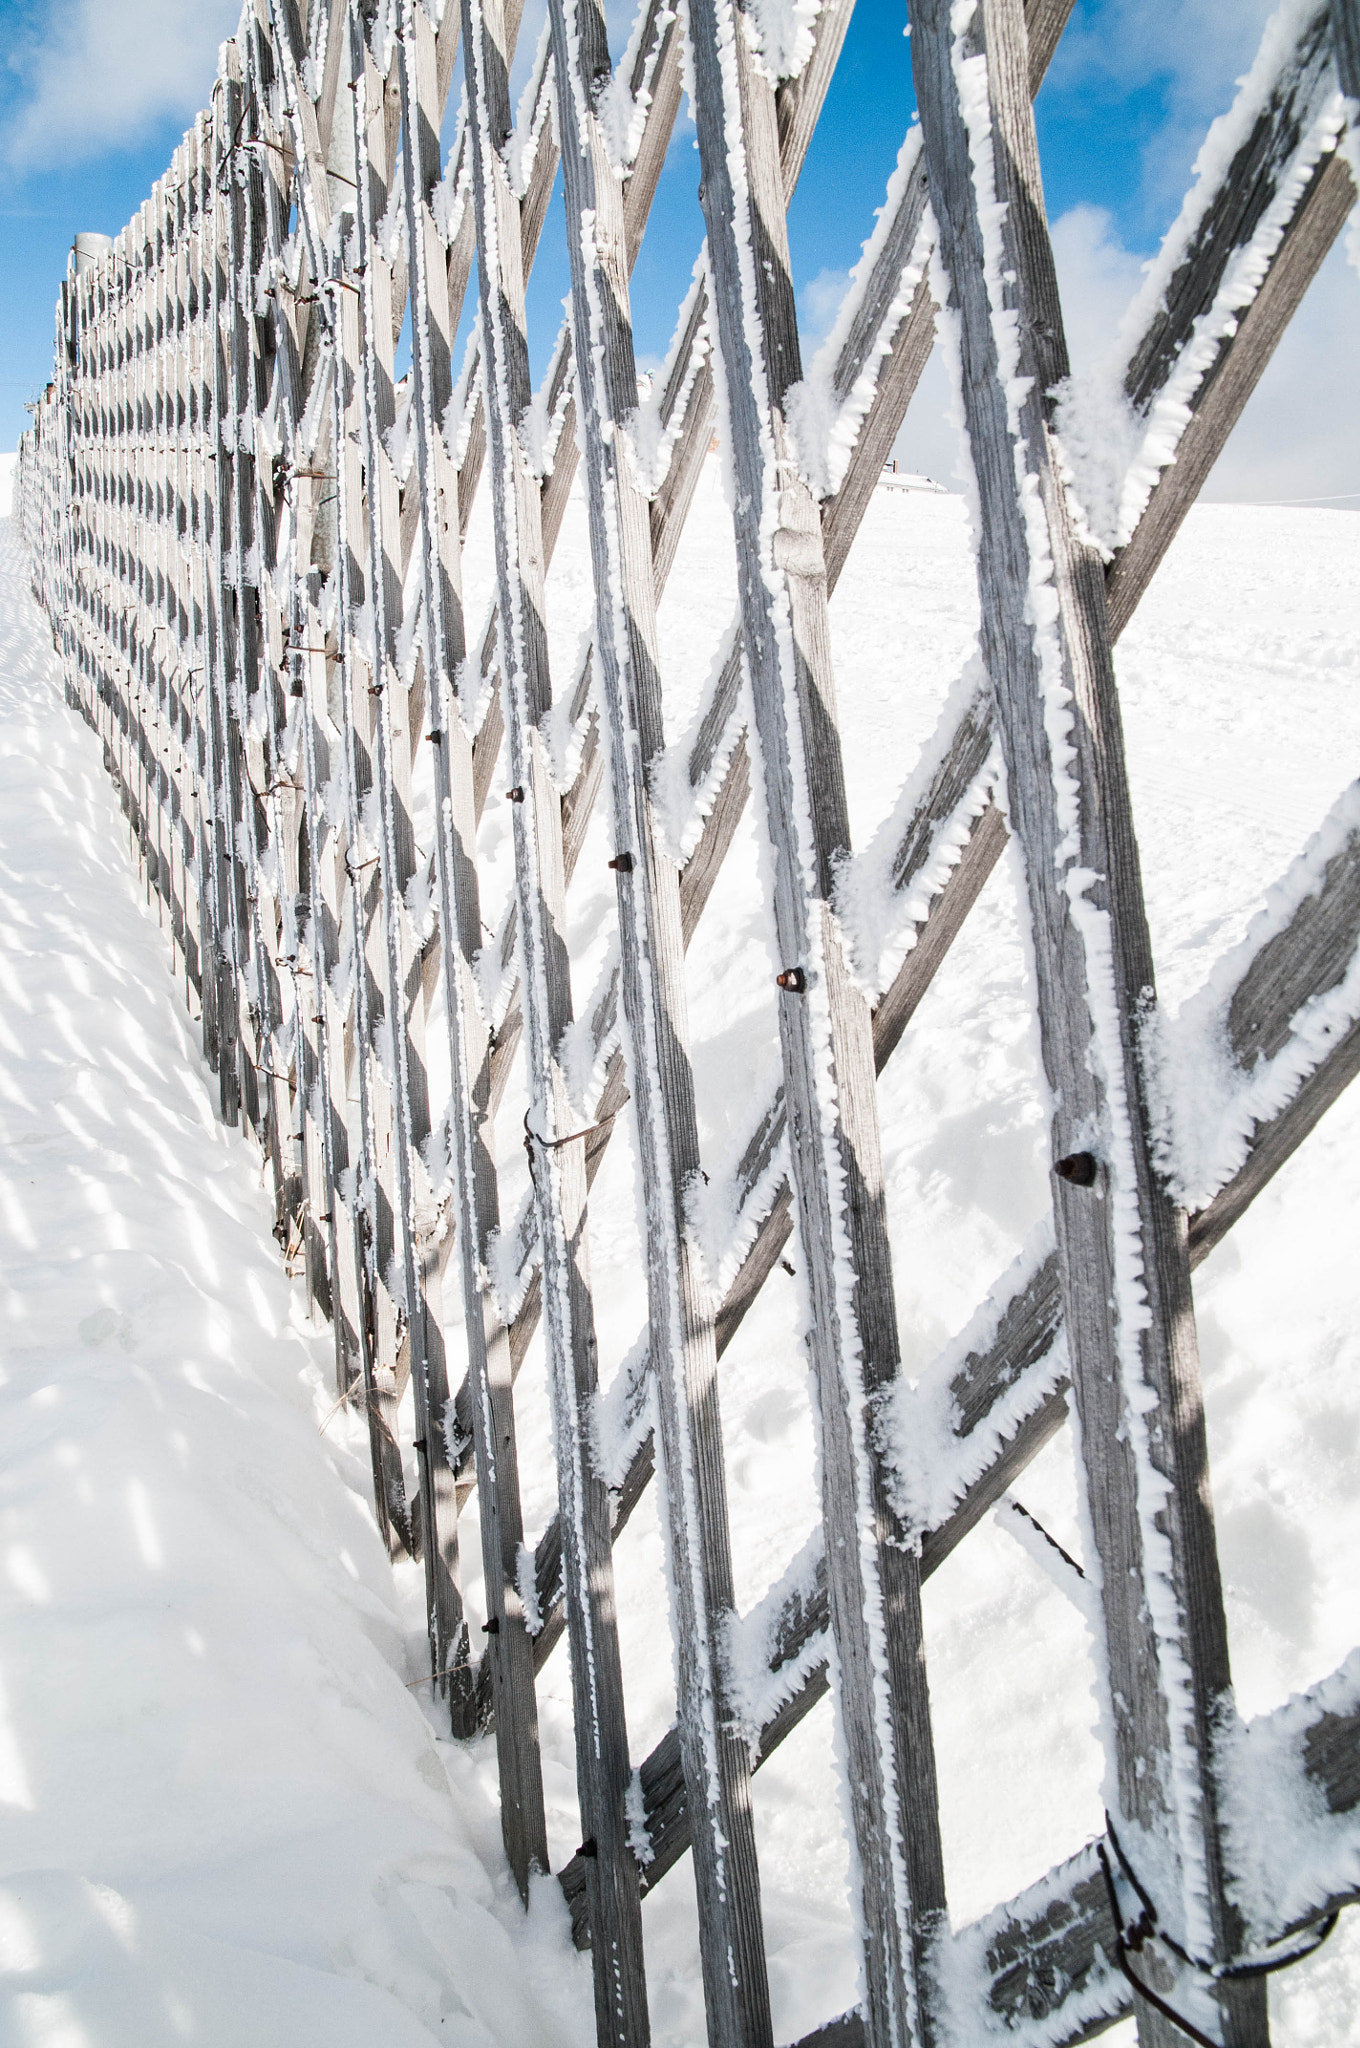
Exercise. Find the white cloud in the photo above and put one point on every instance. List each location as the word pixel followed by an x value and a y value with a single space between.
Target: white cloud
pixel 1097 276
pixel 819 302
pixel 1299 436
pixel 99 73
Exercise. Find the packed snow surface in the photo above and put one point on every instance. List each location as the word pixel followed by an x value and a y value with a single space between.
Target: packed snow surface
pixel 228 1813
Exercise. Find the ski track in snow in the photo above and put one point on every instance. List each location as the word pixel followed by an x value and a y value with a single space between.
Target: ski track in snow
pixel 265 1792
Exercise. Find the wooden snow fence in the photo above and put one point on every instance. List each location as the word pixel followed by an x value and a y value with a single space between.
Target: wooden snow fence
pixel 255 587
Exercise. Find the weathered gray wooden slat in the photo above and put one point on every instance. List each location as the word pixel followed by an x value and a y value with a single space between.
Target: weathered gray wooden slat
pixel 1242 197
pixel 907 346
pixel 1247 187
pixel 558 1168
pixel 222 973
pixel 379 1377
pixel 1345 18
pixel 1218 403
pixel 1275 1142
pixel 376 118
pixel 509 1656
pixel 684 1359
pixel 277 521
pixel 693 381
pixel 668 511
pixel 825 1039
pixel 334 1255
pixel 1045 1334
pixel 237 366
pixel 1128 1311
pixel 1043 1948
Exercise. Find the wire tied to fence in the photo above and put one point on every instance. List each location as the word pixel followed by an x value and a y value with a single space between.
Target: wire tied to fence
pixel 1132 1936
pixel 532 1137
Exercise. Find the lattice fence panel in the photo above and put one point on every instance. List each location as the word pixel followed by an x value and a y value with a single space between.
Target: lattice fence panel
pixel 248 495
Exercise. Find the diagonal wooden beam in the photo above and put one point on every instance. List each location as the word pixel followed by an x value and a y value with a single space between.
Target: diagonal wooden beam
pixel 963 761
pixel 1047 1958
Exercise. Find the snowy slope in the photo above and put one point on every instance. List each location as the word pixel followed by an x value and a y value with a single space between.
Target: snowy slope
pixel 223 1815
pixel 205 1651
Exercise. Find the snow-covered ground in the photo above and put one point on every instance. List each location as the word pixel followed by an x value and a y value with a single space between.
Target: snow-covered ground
pixel 212 1753
pixel 224 1818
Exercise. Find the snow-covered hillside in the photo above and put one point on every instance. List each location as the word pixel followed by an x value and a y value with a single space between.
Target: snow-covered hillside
pixel 227 1815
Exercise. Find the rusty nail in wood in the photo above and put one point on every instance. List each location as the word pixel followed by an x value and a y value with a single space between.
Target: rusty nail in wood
pixel 1078 1167
pixel 622 863
pixel 794 980
pixel 515 795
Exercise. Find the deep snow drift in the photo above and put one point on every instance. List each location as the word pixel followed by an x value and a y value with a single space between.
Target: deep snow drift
pixel 223 1816
pixel 211 1750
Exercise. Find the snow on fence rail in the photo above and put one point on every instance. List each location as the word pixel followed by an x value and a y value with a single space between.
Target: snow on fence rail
pixel 247 530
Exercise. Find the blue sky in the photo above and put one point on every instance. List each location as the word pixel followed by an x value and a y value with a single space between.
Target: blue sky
pixel 96 93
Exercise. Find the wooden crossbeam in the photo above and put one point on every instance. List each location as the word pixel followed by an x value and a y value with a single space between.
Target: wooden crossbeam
pixel 1271 994
pixel 963 765
pixel 261 613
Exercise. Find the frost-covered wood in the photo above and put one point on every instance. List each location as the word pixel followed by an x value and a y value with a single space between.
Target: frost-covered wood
pixel 1122 1256
pixel 681 1309
pixel 825 1038
pixel 248 536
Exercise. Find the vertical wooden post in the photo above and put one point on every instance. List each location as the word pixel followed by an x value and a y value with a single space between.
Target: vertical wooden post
pixel 236 482
pixel 472 1131
pixel 409 1091
pixel 1121 1242
pixel 683 1351
pixel 229 965
pixel 873 1575
pixel 540 883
